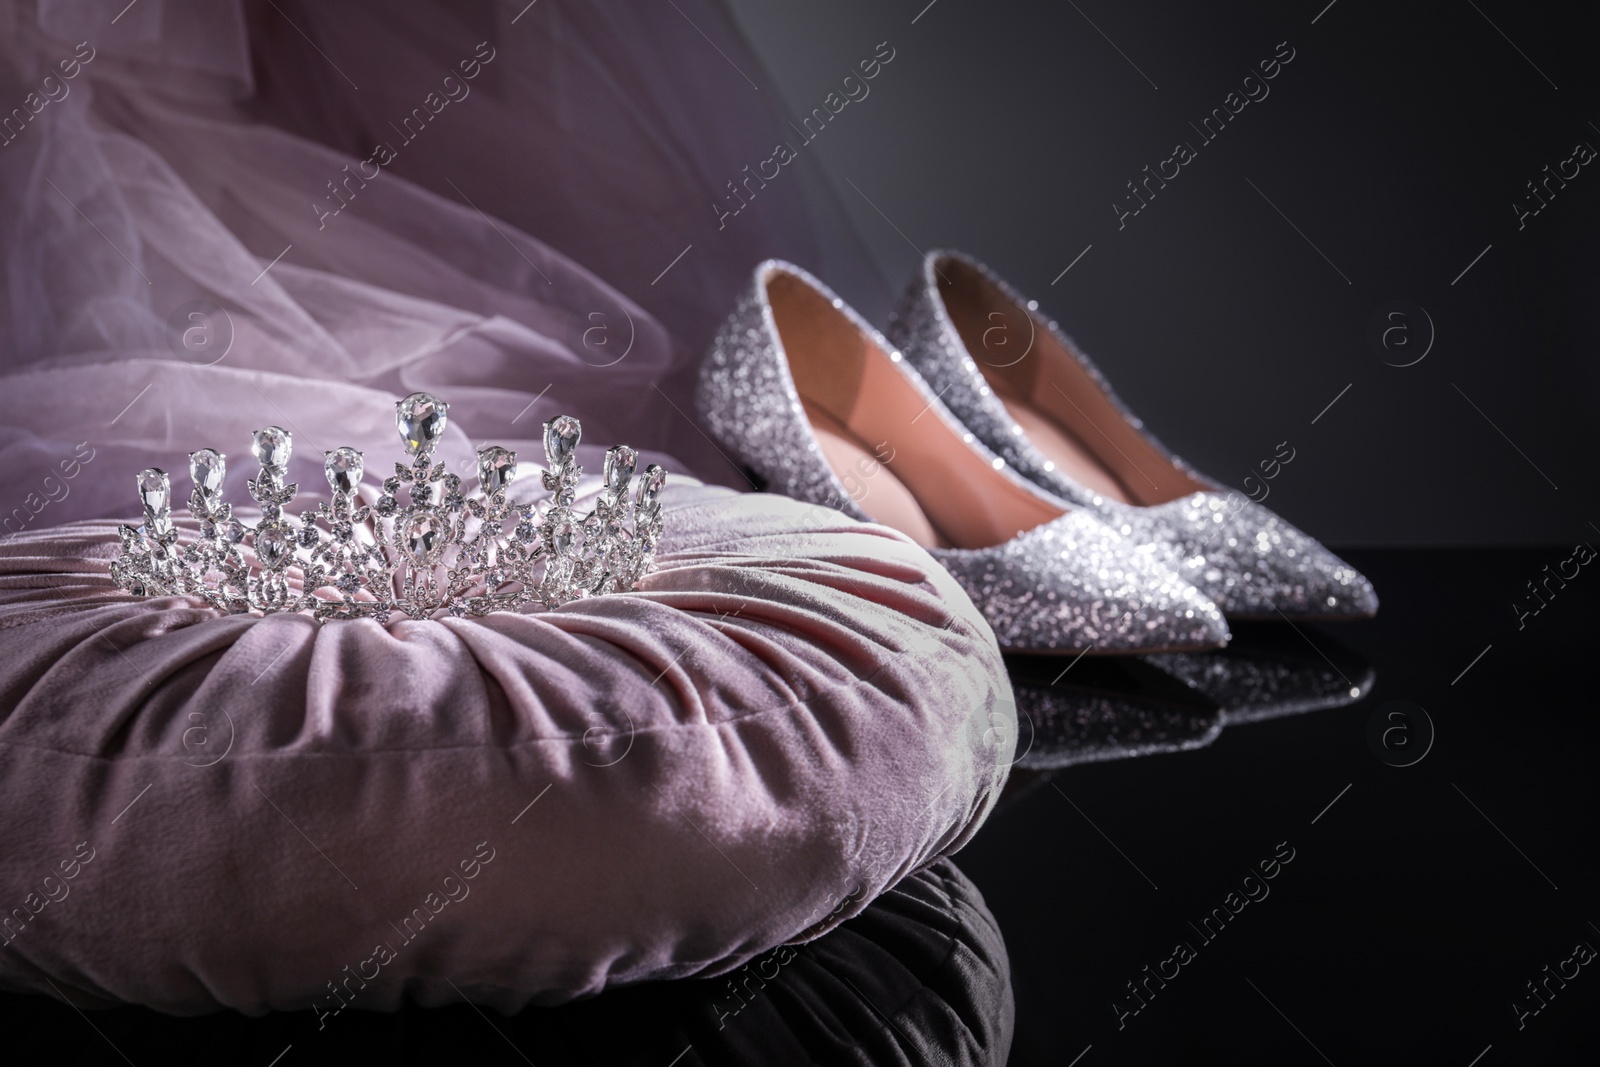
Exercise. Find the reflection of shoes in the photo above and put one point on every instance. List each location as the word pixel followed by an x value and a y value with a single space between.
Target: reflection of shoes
pixel 814 401
pixel 1268 670
pixel 1026 392
pixel 1105 710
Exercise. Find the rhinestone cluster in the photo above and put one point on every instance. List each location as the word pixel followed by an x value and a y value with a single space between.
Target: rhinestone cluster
pixel 440 550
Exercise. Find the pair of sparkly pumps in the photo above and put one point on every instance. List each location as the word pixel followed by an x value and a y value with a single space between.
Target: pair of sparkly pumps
pixel 979 430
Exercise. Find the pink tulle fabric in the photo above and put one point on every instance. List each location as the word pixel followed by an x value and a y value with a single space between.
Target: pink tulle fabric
pixel 509 251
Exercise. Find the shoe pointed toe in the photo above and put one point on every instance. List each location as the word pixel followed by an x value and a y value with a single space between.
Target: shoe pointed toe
pixel 1254 563
pixel 1333 588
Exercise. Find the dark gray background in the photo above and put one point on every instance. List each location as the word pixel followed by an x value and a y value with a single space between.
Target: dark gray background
pixel 1396 141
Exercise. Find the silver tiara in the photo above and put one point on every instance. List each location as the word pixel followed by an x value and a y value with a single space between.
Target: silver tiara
pixel 441 550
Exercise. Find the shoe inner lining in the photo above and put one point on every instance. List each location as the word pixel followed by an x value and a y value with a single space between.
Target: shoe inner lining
pixel 902 463
pixel 862 473
pixel 1061 408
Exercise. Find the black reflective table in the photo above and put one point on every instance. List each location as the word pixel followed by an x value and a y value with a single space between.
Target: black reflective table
pixel 1418 883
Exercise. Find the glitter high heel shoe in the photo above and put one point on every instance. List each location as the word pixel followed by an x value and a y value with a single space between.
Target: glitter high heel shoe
pixel 1033 398
pixel 815 402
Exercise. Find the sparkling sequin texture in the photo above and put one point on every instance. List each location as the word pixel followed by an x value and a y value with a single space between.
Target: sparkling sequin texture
pixel 1245 557
pixel 1074 583
pixel 1242 555
pixel 1067 586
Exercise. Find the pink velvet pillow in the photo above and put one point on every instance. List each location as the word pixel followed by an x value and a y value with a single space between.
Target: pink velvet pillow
pixel 792 714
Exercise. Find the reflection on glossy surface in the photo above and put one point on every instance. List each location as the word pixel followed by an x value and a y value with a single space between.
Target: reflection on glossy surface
pixel 1105 708
pixel 1120 707
pixel 1269 670
pixel 920 977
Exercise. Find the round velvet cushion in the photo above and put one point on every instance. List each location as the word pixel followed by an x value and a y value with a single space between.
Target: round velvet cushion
pixel 793 713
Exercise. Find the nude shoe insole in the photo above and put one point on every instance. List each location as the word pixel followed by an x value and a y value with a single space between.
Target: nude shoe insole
pixel 870 483
pixel 1071 457
pixel 870 414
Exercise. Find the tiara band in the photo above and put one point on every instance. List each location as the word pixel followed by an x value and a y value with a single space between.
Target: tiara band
pixel 440 551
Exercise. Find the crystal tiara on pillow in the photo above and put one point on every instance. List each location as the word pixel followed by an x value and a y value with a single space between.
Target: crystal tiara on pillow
pixel 440 551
